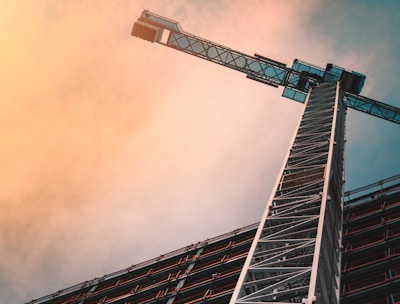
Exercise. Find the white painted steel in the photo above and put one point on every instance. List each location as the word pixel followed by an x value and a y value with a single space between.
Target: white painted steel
pixel 295 256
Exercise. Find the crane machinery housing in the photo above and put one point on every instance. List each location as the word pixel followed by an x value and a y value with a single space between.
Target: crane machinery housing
pixel 295 256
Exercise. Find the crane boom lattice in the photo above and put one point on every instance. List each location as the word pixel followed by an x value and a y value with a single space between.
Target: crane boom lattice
pixel 296 80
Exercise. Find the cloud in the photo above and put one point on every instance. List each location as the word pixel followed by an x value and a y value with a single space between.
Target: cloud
pixel 114 150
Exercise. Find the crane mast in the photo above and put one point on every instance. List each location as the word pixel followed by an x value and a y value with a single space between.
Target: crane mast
pixel 296 254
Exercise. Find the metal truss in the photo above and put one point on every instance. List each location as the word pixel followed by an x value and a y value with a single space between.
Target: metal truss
pixel 295 256
pixel 373 107
pixel 273 73
pixel 297 80
pixel 257 68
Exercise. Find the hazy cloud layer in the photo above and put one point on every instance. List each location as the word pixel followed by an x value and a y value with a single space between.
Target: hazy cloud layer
pixel 114 150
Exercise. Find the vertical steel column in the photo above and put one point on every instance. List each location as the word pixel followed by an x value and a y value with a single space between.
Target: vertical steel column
pixel 295 255
pixel 182 281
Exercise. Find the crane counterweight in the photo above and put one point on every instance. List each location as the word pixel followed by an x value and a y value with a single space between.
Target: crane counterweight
pixel 147 31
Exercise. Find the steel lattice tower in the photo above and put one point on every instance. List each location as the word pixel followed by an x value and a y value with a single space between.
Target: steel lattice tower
pixel 295 257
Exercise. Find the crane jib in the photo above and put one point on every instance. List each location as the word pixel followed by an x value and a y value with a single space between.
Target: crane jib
pixel 296 80
pixel 233 59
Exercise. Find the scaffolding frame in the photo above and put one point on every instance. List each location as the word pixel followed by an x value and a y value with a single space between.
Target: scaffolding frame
pixel 371 245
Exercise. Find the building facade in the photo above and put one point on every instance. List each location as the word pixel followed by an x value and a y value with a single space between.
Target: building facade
pixel 207 272
pixel 371 246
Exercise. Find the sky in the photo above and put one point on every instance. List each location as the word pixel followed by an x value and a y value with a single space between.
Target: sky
pixel 114 150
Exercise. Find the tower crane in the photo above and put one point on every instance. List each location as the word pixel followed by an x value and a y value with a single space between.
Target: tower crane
pixel 296 253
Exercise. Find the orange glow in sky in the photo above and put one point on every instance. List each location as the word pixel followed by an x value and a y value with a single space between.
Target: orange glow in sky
pixel 114 150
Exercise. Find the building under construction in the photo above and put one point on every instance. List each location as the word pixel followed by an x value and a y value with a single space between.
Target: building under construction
pixel 371 245
pixel 207 272
pixel 311 246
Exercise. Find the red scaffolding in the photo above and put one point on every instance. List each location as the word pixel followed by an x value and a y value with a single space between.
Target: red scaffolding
pixel 371 246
